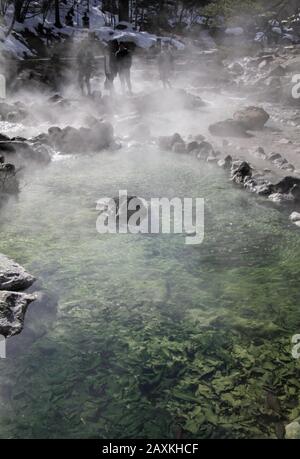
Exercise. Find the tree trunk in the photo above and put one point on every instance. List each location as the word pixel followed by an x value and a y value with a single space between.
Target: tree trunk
pixel 18 10
pixel 124 10
pixel 57 15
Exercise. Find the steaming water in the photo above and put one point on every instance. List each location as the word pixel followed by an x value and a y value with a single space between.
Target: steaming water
pixel 152 337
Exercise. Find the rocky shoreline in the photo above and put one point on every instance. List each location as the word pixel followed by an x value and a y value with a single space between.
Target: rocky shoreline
pixel 241 171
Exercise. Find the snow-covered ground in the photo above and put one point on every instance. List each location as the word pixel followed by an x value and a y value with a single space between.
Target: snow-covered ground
pixel 16 44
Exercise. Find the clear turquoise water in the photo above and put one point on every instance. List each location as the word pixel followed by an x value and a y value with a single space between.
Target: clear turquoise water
pixel 152 338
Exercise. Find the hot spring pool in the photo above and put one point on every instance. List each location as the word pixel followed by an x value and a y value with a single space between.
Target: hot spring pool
pixel 152 338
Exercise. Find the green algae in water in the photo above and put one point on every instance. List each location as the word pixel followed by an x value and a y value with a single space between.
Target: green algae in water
pixel 153 338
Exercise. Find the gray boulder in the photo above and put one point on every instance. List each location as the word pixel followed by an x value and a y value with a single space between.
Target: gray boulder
pixel 241 171
pixel 252 118
pixel 13 307
pixel 12 276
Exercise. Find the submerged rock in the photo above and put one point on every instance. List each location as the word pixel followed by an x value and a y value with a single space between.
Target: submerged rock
pixel 13 276
pixel 13 307
pixel 39 318
pixel 292 430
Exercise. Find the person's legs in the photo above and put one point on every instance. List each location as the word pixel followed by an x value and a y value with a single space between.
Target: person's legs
pixel 81 82
pixel 122 80
pixel 88 83
pixel 128 80
pixel 111 87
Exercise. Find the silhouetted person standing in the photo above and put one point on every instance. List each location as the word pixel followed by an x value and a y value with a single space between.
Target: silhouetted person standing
pixel 86 21
pixel 124 64
pixel 111 66
pixel 86 64
pixel 166 67
pixel 69 20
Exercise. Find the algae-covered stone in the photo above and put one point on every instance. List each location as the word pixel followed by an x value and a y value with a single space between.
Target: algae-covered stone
pixel 13 307
pixel 292 430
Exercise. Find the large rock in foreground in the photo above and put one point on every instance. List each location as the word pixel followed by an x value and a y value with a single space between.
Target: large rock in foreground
pixel 12 276
pixel 13 307
pixel 252 118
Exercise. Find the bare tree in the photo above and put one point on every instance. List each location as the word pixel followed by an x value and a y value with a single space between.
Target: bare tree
pixel 57 14
pixel 123 10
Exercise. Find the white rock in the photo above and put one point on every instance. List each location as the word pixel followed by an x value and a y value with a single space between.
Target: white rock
pixel 292 430
pixel 278 197
pixel 295 217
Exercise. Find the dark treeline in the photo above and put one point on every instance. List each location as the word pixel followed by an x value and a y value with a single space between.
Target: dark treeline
pixel 146 14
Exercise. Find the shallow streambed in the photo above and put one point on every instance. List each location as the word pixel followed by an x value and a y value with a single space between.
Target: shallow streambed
pixel 153 338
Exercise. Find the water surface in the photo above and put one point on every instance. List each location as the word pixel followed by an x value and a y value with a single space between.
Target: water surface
pixel 152 338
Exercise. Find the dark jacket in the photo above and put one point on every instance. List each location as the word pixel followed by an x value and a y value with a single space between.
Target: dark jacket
pixel 85 59
pixel 123 59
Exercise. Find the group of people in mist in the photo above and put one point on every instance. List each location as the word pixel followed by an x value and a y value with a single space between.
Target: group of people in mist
pixel 118 63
